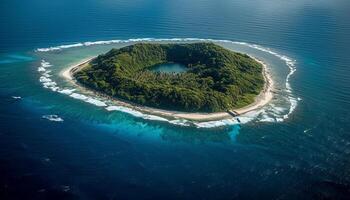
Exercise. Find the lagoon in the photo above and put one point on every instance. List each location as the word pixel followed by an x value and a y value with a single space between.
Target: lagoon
pixel 169 68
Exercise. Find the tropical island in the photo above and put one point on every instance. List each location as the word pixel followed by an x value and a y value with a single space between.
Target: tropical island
pixel 216 80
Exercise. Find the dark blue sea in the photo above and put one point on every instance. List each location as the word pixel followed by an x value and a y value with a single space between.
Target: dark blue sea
pixel 57 142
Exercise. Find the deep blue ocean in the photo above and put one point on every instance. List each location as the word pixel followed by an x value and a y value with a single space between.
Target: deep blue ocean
pixel 56 147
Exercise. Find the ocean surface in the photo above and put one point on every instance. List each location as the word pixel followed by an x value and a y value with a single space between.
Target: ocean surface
pixel 60 142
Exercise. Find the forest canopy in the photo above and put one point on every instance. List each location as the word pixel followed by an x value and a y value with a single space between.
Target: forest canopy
pixel 217 79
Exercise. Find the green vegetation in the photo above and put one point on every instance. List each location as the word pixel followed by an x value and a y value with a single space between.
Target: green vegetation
pixel 217 79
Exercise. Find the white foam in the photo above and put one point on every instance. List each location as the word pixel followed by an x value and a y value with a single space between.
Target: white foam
pixel 279 119
pixel 54 89
pixel 155 118
pixel 279 110
pixel 135 113
pixel 267 119
pixel 47 74
pixel 78 96
pixel 66 91
pixel 181 122
pixel 112 108
pixel 60 47
pixel 293 104
pixel 44 79
pixel 96 102
pixel 125 109
pixel 16 97
pixel 212 124
pixel 101 42
pixel 49 84
pixel 307 130
pixel 45 64
pixel 41 69
pixel 54 118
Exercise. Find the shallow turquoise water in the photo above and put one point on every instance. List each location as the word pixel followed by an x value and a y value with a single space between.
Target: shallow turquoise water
pixel 99 154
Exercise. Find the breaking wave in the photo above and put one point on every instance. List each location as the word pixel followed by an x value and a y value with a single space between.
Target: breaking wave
pixel 269 113
pixel 54 118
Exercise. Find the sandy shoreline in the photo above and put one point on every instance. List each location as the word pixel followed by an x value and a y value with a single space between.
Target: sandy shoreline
pixel 262 99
